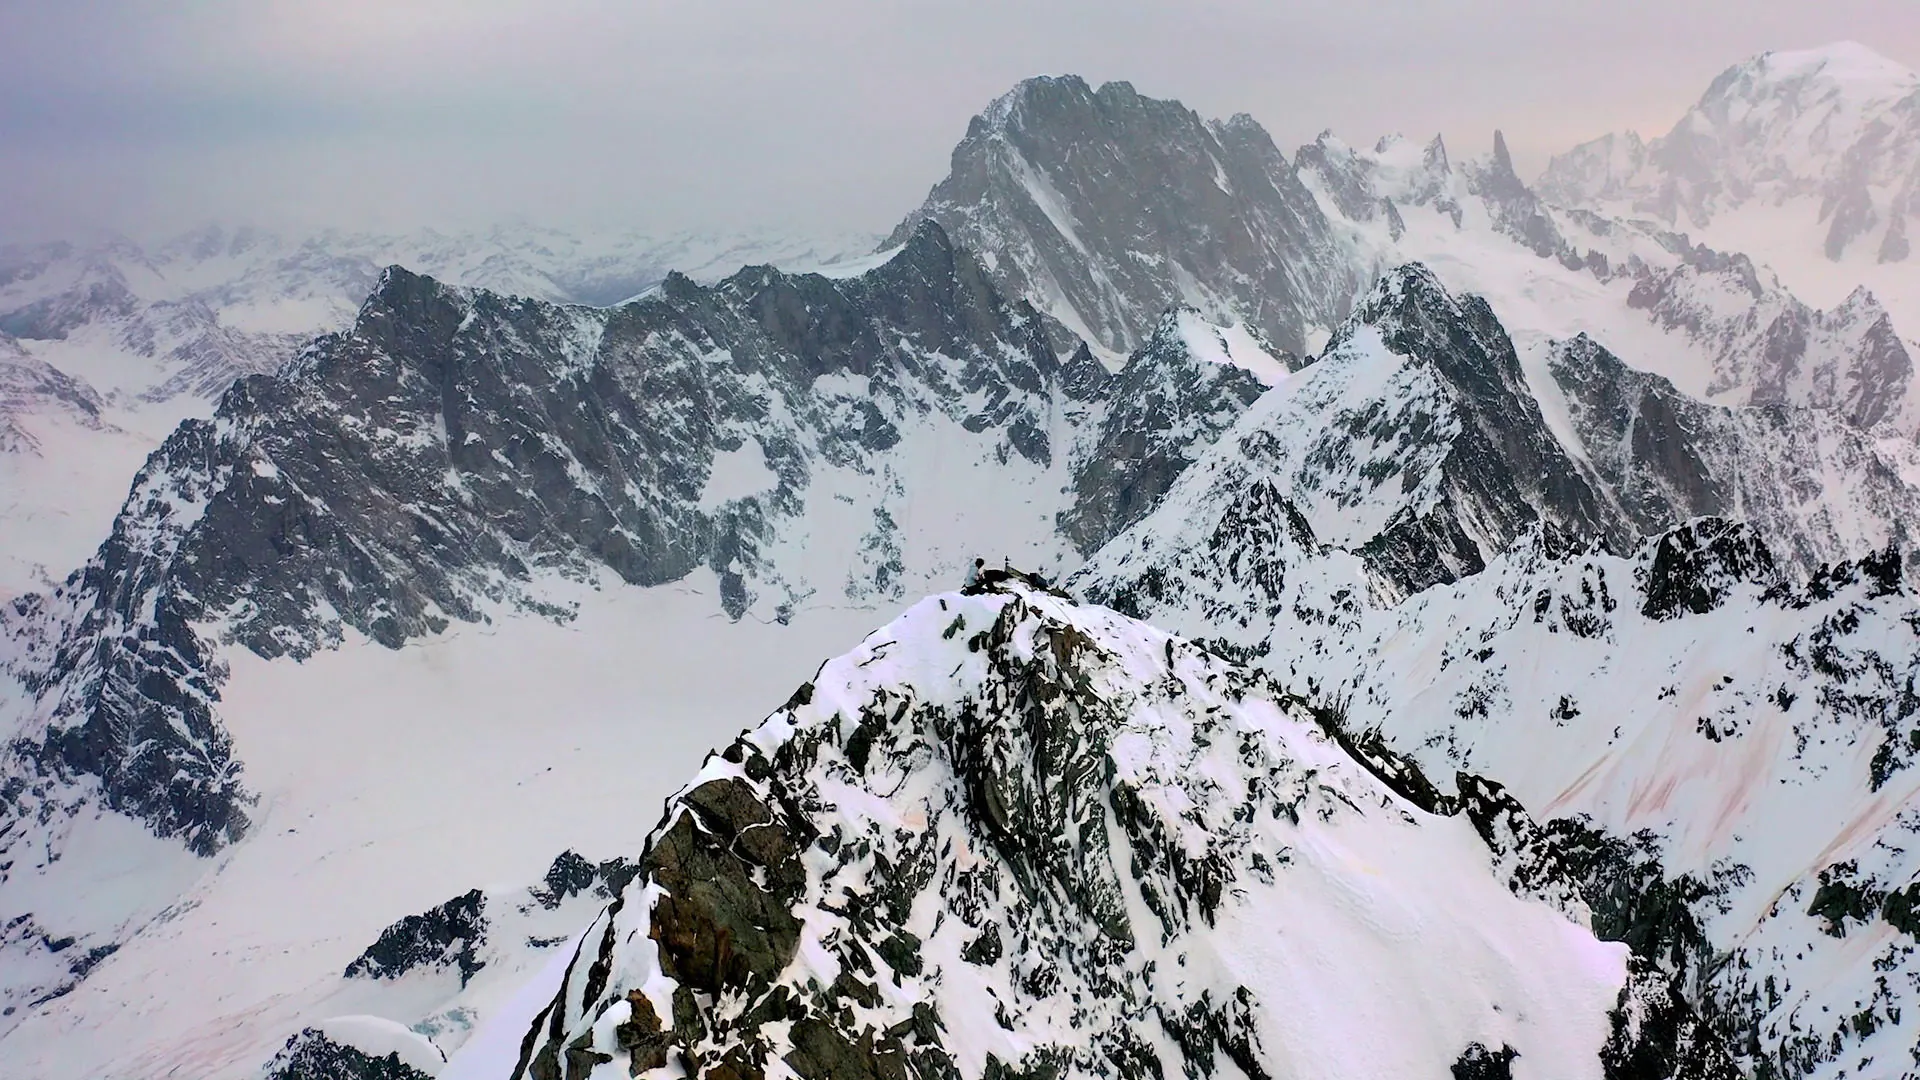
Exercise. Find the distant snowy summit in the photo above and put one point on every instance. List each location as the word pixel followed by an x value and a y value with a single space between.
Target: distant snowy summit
pixel 1841 123
pixel 1789 156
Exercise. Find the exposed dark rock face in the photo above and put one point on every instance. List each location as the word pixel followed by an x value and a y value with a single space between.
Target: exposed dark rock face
pixel 1814 487
pixel 1414 443
pixel 311 1055
pixel 1539 644
pixel 1346 180
pixel 1478 1063
pixel 1515 209
pixel 1163 409
pixel 1503 470
pixel 1695 566
pixel 443 936
pixel 1620 888
pixel 1099 203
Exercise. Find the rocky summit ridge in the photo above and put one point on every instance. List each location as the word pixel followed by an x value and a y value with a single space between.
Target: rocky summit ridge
pixel 1009 833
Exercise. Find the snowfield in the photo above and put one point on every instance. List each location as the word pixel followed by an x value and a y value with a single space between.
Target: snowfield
pixel 390 780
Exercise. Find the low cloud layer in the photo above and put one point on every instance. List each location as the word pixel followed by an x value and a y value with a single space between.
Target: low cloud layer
pixel 117 114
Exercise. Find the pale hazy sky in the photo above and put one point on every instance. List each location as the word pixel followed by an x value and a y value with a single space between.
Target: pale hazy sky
pixel 147 115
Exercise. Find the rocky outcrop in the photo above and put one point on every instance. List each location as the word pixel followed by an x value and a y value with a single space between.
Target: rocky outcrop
pixel 1515 209
pixel 1164 407
pixel 333 1053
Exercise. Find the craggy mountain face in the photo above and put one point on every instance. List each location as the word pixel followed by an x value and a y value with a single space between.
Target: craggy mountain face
pixel 1730 756
pixel 1417 449
pixel 1757 741
pixel 1817 489
pixel 189 315
pixel 1516 210
pixel 1011 835
pixel 114 310
pixel 159 331
pixel 31 387
pixel 1176 394
pixel 1770 348
pixel 1105 208
pixel 1413 442
pixel 1728 329
pixel 791 439
pixel 455 444
pixel 1363 190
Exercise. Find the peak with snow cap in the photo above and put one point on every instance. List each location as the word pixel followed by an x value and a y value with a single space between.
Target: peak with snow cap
pixel 1808 161
pixel 1730 758
pixel 1176 394
pixel 1413 442
pixel 1010 833
pixel 1418 446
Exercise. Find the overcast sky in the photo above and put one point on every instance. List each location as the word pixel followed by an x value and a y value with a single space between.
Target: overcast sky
pixel 149 115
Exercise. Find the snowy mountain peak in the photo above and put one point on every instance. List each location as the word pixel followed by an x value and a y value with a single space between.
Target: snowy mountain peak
pixel 1011 833
pixel 1404 296
pixel 1845 67
pixel 1801 159
pixel 1033 99
pixel 1232 345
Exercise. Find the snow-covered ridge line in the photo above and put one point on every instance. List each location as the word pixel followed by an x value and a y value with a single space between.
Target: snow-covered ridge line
pixel 158 331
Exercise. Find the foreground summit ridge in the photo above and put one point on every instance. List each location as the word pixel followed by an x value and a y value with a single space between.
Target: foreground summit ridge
pixel 1010 834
